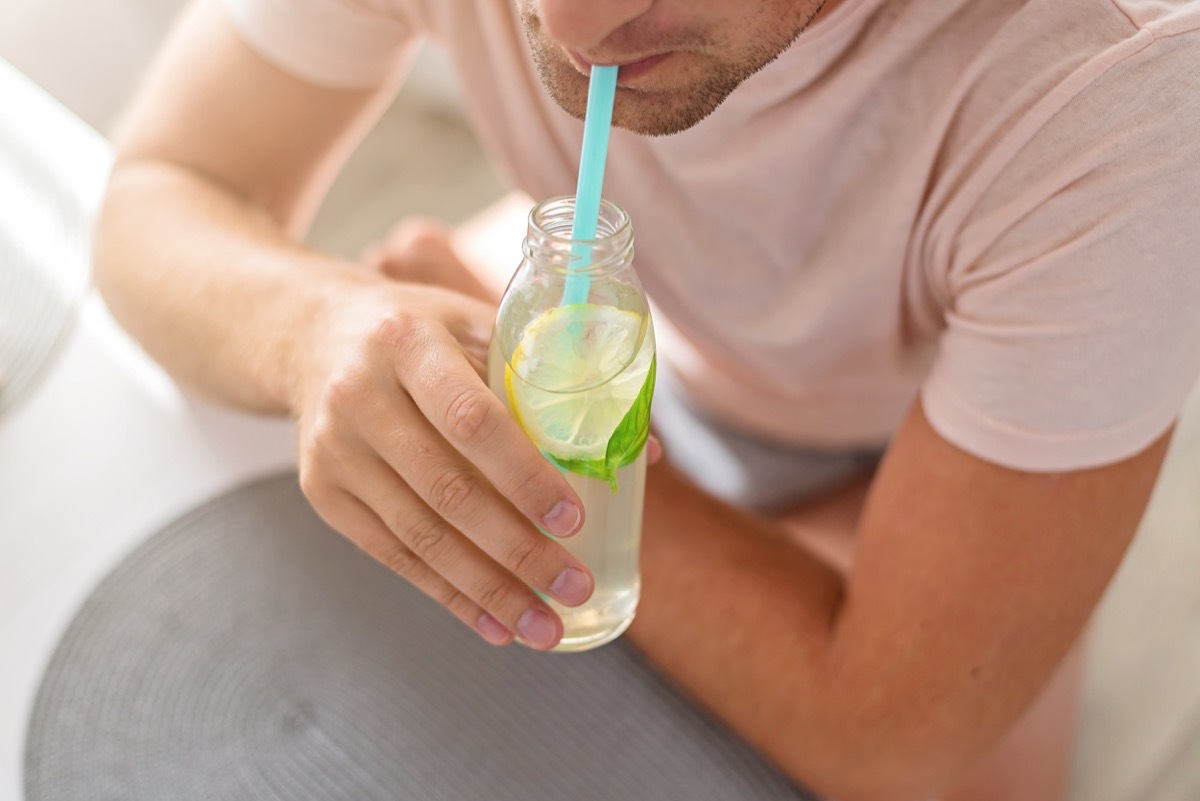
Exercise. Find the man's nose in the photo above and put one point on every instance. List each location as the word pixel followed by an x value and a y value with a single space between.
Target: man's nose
pixel 583 24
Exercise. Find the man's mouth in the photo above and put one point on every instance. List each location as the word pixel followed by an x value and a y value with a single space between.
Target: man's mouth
pixel 627 70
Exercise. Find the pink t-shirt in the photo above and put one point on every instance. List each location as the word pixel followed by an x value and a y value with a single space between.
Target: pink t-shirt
pixel 993 204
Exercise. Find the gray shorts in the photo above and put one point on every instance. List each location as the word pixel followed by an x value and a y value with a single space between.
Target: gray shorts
pixel 761 476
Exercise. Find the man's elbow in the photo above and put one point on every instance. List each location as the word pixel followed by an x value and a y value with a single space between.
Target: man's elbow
pixel 862 764
pixel 864 787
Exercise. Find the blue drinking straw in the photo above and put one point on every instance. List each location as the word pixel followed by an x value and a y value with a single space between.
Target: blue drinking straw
pixel 602 89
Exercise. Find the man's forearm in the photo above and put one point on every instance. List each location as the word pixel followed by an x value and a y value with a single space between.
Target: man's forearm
pixel 209 284
pixel 741 618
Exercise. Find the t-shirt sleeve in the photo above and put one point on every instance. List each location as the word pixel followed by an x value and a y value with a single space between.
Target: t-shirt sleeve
pixel 1073 321
pixel 337 43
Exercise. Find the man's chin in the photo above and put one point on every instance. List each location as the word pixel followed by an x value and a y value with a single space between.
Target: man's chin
pixel 653 114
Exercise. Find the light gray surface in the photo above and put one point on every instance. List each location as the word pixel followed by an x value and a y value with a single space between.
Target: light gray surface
pixel 249 652
pixel 43 257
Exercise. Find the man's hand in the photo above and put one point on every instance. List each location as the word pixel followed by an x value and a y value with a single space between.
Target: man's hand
pixel 402 447
pixel 419 250
pixel 405 450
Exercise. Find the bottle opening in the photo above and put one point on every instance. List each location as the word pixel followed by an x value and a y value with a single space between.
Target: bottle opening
pixel 548 240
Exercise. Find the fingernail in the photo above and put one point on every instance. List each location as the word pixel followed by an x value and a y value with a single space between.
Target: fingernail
pixel 571 587
pixel 493 630
pixel 563 519
pixel 536 628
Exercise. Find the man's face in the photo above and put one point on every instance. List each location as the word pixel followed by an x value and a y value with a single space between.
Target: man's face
pixel 679 58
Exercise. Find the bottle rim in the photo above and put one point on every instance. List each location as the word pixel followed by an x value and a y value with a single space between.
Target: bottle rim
pixel 548 241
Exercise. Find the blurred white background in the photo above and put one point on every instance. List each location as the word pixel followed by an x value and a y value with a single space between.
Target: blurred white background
pixel 90 54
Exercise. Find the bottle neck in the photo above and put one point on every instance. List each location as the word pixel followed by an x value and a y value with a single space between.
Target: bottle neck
pixel 548 244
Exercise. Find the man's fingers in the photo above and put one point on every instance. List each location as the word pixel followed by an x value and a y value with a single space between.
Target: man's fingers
pixel 421 250
pixel 453 489
pixel 447 482
pixel 363 527
pixel 433 542
pixel 474 421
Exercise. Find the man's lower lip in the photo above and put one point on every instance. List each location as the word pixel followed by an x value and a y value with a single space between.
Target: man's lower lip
pixel 626 72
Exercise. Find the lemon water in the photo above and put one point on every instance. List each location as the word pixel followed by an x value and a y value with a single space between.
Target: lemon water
pixel 579 382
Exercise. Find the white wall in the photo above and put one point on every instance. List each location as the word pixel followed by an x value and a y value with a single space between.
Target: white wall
pixel 87 53
pixel 90 54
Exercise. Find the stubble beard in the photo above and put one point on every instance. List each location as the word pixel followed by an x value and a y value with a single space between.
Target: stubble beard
pixel 674 108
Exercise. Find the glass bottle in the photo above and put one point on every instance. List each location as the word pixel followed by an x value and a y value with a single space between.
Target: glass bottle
pixel 573 358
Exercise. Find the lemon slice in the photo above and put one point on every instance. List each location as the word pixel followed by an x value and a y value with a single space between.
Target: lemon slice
pixel 574 379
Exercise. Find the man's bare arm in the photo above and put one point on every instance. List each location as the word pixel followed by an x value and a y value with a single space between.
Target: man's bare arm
pixel 220 163
pixel 970 582
pixel 402 447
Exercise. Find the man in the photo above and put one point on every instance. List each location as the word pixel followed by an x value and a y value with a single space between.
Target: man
pixel 966 230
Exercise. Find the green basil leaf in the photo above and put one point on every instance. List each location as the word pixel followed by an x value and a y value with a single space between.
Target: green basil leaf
pixel 592 468
pixel 627 440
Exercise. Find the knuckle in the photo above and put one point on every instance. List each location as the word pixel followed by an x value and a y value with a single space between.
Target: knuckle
pixel 469 415
pixel 349 389
pixel 453 492
pixel 401 561
pixel 451 598
pixel 408 339
pixel 523 557
pixel 427 538
pixel 408 445
pixel 317 467
pixel 396 328
pixel 532 488
pixel 320 458
pixel 322 436
pixel 421 236
pixel 414 226
pixel 493 594
pixel 411 344
pixel 314 486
